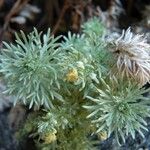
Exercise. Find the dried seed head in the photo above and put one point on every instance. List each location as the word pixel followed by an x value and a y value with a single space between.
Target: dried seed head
pixel 133 56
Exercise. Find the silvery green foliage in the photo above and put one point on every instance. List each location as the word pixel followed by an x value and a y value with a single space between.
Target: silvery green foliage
pixel 30 68
pixel 80 72
pixel 86 54
pixel 119 108
pixel 94 28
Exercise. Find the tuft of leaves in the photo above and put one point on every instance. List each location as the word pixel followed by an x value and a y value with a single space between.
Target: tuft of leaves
pixel 31 68
pixel 119 108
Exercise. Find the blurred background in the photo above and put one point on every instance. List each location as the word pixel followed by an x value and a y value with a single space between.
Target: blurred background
pixel 63 16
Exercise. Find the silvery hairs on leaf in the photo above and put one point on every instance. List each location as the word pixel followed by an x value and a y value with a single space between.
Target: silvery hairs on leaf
pixel 133 56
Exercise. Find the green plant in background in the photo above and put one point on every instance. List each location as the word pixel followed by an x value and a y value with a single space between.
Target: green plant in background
pixel 81 86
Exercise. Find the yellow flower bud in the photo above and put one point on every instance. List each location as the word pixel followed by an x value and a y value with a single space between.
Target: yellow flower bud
pixel 72 75
pixel 103 135
pixel 49 138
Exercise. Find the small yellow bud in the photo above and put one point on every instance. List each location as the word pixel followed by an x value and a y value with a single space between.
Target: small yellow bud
pixel 72 75
pixel 49 138
pixel 103 135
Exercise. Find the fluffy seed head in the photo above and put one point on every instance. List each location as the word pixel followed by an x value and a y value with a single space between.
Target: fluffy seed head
pixel 133 56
